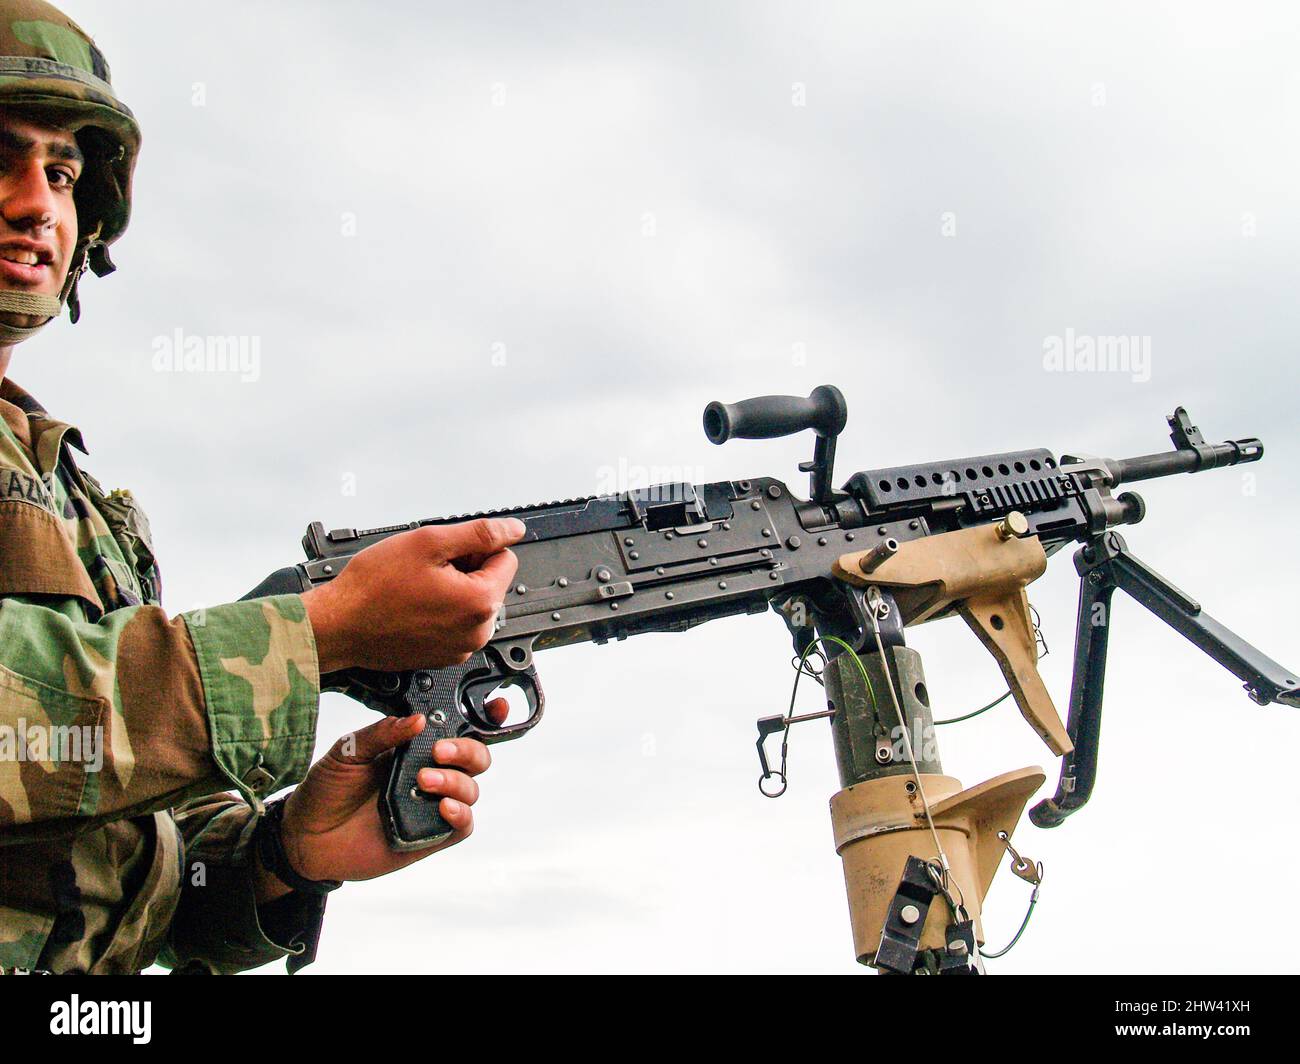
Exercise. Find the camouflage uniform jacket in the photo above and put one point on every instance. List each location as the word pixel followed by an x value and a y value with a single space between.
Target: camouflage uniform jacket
pixel 106 867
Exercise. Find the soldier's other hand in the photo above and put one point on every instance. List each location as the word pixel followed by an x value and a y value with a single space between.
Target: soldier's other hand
pixel 424 598
pixel 331 827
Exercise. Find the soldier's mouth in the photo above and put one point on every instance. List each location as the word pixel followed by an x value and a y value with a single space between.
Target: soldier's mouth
pixel 25 264
pixel 27 252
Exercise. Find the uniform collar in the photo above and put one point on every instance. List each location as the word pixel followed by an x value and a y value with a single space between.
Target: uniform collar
pixel 40 422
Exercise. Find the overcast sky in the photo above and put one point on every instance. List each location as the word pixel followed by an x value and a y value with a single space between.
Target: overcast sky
pixel 488 253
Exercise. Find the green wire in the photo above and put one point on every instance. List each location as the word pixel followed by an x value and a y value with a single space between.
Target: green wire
pixel 983 709
pixel 800 670
pixel 1033 900
pixel 852 653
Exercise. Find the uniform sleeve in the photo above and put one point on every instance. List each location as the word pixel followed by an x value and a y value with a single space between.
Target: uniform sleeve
pixel 218 926
pixel 139 711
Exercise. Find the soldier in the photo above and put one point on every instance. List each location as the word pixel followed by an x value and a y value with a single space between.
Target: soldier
pixel 120 728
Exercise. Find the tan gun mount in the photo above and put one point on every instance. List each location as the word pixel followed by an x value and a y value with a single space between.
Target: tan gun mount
pixel 979 573
pixel 880 823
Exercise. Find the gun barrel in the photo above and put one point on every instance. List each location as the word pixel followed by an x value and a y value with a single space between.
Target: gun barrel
pixel 1186 460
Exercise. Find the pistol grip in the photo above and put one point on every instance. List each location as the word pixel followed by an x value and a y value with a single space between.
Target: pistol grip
pixel 452 701
pixel 411 818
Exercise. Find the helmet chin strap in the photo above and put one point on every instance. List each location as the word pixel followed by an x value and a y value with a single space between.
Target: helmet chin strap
pixel 33 304
pixel 90 254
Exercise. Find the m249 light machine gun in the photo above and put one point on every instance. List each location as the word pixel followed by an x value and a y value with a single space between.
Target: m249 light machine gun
pixel 849 570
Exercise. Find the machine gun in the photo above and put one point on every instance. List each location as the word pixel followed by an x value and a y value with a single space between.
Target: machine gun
pixel 848 570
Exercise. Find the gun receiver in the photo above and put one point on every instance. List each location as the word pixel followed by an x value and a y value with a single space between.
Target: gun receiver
pixel 926 541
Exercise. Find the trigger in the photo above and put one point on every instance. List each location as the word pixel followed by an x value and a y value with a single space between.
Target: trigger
pixel 479 693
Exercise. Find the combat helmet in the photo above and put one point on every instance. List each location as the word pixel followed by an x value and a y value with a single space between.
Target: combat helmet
pixel 51 69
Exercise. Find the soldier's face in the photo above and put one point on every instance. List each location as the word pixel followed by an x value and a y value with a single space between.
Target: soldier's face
pixel 39 165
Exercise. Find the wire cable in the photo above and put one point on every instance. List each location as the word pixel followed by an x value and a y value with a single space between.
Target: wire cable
pixel 1033 900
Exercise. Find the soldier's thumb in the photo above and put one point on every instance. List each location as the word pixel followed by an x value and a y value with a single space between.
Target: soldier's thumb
pixel 366 744
pixel 478 539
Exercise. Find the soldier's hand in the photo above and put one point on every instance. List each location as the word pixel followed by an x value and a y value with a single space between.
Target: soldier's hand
pixel 424 598
pixel 331 827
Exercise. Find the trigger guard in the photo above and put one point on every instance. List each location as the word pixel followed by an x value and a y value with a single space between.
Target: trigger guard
pixel 477 690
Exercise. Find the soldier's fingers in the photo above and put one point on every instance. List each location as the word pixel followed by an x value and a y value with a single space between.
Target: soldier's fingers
pixel 497 711
pixel 449 783
pixel 459 816
pixel 496 573
pixel 483 537
pixel 366 744
pixel 468 754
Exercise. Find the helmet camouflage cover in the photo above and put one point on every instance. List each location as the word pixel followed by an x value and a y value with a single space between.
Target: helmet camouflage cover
pixel 52 70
